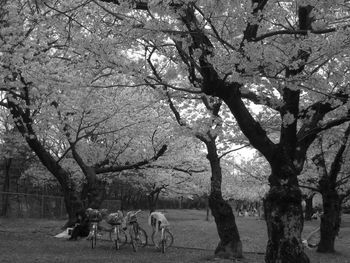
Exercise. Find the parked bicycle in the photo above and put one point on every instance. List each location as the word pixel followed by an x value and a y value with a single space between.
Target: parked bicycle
pixel 127 224
pixel 161 237
pixel 95 217
pixel 117 234
pixel 137 234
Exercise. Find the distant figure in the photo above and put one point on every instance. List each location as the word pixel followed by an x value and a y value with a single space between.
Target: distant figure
pixel 246 213
pixel 240 213
pixel 157 220
pixel 82 227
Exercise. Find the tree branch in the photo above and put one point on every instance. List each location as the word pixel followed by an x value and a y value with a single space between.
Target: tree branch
pixel 233 150
pixel 310 188
pixel 137 165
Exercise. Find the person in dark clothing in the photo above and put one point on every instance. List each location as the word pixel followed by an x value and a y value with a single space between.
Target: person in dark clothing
pixel 82 226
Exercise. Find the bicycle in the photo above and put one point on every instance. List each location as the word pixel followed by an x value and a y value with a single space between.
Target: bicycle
pixel 94 216
pixel 164 240
pixel 137 234
pixel 117 233
pixel 312 240
pixel 93 234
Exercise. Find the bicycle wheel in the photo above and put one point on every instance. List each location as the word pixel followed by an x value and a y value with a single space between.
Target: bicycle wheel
pixel 168 239
pixel 141 237
pixel 133 244
pixel 314 239
pixel 138 237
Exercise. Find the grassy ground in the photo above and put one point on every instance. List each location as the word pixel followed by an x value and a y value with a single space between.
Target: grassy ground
pixel 31 240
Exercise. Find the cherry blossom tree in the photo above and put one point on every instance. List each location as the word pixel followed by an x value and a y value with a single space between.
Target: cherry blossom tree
pixel 328 175
pixel 43 89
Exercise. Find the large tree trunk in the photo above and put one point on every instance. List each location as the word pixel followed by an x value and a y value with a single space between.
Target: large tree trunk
pixel 94 193
pixel 24 126
pixel 284 219
pixel 330 221
pixel 71 198
pixel 230 245
pixel 73 205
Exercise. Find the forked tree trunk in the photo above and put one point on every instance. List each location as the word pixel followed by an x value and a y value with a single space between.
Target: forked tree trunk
pixel 330 221
pixel 230 245
pixel 284 219
pixel 94 193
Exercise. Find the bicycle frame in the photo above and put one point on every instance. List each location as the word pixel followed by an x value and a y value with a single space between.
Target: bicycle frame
pixel 93 234
pixel 116 230
pixel 137 235
pixel 165 240
pixel 162 239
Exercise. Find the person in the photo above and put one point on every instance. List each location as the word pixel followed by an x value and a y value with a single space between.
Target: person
pixel 157 220
pixel 82 226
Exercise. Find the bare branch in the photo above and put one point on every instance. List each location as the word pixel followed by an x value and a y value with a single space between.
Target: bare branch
pixel 233 150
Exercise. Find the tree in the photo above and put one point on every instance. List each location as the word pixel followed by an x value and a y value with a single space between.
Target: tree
pixel 94 189
pixel 57 117
pixel 332 182
pixel 207 130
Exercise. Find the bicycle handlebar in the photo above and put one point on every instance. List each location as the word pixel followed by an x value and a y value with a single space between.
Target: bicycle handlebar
pixel 134 213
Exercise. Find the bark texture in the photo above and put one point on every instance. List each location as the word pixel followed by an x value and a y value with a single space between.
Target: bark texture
pixel 230 245
pixel 283 214
pixel 73 205
pixel 330 221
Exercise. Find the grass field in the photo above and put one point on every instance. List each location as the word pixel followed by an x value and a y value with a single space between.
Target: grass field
pixel 32 240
